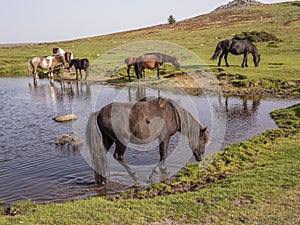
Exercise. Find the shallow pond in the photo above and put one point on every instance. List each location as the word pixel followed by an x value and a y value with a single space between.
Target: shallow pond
pixel 33 167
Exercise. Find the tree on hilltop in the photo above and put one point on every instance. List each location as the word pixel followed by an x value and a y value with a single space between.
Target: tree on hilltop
pixel 171 19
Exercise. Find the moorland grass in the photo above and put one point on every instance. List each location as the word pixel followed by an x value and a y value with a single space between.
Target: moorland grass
pixel 279 60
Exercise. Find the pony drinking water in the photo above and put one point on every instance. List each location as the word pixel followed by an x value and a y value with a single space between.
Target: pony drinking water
pixel 236 47
pixel 140 123
pixel 67 54
pixel 152 61
pixel 44 63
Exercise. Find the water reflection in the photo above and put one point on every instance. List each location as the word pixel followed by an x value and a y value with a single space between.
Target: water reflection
pixel 33 167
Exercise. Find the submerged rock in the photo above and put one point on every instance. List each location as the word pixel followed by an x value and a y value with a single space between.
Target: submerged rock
pixel 69 140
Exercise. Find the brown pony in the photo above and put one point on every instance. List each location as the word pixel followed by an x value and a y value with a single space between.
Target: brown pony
pixel 152 61
pixel 140 123
pixel 44 63
pixel 67 54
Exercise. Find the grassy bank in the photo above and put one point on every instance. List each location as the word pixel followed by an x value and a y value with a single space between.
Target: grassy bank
pixel 278 72
pixel 255 182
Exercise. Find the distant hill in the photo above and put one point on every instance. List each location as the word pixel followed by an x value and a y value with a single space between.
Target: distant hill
pixel 239 4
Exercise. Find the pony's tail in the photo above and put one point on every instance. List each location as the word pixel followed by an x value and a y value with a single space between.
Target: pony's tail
pixel 217 52
pixel 97 150
pixel 28 66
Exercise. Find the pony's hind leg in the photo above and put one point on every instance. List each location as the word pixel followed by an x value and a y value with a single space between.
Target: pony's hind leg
pixel 220 59
pixel 225 58
pixel 107 142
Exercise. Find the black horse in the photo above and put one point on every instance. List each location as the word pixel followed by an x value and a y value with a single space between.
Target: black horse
pixel 140 123
pixel 236 47
pixel 81 64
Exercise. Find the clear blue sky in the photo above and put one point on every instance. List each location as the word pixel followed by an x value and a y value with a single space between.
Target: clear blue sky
pixel 56 20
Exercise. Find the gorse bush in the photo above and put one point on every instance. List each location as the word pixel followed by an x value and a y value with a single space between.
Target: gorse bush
pixel 257 36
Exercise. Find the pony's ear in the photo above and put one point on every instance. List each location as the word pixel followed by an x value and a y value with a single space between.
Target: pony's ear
pixel 162 102
pixel 202 130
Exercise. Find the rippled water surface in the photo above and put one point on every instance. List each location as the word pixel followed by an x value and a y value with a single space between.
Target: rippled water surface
pixel 33 167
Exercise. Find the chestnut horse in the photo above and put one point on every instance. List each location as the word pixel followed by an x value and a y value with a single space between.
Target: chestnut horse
pixel 152 61
pixel 140 123
pixel 48 63
pixel 67 54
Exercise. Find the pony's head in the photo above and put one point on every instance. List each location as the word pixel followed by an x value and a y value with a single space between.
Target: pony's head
pixel 55 50
pixel 202 141
pixel 256 60
pixel 60 58
pixel 175 62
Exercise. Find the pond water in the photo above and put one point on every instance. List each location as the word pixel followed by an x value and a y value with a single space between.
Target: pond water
pixel 33 167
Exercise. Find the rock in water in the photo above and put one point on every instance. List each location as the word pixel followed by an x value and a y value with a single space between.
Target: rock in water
pixel 65 118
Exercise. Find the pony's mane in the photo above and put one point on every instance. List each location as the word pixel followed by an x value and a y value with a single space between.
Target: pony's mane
pixel 190 127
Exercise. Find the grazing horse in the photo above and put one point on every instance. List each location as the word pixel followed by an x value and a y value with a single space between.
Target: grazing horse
pixel 140 123
pixel 236 47
pixel 81 64
pixel 152 61
pixel 48 63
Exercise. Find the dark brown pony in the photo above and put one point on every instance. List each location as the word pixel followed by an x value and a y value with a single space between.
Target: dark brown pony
pixel 80 64
pixel 140 123
pixel 48 63
pixel 236 47
pixel 152 61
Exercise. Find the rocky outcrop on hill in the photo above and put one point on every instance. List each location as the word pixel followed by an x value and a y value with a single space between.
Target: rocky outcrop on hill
pixel 238 4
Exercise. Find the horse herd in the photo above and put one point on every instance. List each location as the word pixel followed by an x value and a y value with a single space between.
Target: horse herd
pixel 140 63
pixel 58 56
pixel 146 120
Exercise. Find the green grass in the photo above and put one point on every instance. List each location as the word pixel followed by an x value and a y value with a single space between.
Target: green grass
pixel 255 182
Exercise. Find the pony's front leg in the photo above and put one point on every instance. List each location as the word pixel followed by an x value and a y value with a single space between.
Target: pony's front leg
pixel 158 67
pixel 163 147
pixel 128 72
pixel 76 70
pixel 245 60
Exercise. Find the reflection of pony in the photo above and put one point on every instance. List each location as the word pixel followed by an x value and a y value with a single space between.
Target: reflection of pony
pixel 140 123
pixel 236 47
pixel 44 63
pixel 152 61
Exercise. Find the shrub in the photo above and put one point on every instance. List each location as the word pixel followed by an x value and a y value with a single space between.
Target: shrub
pixel 256 36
